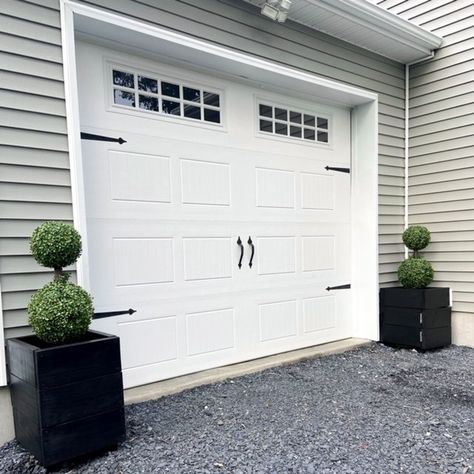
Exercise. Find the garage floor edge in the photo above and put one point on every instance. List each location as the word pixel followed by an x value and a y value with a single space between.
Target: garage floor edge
pixel 185 382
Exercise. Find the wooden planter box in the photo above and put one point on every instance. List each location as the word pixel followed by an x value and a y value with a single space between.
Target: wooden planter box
pixel 417 318
pixel 67 399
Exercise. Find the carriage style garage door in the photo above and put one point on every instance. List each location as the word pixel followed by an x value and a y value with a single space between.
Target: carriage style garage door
pixel 216 220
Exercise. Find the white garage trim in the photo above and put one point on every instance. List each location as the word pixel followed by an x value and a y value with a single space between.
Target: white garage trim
pixel 364 168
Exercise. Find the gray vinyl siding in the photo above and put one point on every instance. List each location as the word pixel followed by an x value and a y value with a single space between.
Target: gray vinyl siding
pixel 35 183
pixel 441 163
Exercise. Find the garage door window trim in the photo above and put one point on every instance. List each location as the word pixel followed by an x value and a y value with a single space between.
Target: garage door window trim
pixel 160 96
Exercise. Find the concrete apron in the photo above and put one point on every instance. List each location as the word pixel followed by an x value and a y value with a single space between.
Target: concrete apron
pixel 168 387
pixel 185 382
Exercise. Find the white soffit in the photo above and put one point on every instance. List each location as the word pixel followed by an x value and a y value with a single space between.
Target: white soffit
pixel 365 25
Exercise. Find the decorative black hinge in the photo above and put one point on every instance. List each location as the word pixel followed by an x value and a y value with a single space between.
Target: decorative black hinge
pixel 108 314
pixel 341 170
pixel 101 138
pixel 340 287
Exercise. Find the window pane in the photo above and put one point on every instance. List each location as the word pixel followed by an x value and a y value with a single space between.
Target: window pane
pixel 295 131
pixel 211 99
pixel 147 84
pixel 295 117
pixel 322 137
pixel 148 103
pixel 192 94
pixel 265 110
pixel 281 128
pixel 124 98
pixel 322 123
pixel 170 107
pixel 308 134
pixel 212 116
pixel 192 111
pixel 171 90
pixel 266 126
pixel 124 79
pixel 309 120
pixel 281 114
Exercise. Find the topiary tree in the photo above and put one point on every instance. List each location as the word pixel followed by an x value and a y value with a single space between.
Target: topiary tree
pixel 60 311
pixel 415 271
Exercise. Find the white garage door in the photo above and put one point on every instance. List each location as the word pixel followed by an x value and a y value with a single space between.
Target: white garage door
pixel 208 161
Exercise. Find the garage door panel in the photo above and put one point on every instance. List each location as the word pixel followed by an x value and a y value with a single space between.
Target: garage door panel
pixel 317 191
pixel 278 320
pixel 318 253
pixel 319 314
pixel 269 179
pixel 138 177
pixel 158 341
pixel 210 331
pixel 143 261
pixel 207 258
pixel 205 182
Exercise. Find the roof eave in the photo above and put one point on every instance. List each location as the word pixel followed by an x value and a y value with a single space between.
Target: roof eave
pixel 386 23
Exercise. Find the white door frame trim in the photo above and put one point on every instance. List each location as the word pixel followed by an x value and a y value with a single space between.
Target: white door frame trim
pixel 364 167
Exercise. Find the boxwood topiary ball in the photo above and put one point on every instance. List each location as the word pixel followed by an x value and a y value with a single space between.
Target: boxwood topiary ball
pixel 55 244
pixel 416 237
pixel 415 273
pixel 60 311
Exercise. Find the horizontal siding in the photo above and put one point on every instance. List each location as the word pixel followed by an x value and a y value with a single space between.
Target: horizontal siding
pixel 34 166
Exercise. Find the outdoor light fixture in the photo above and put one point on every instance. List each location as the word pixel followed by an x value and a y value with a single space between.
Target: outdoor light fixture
pixel 277 10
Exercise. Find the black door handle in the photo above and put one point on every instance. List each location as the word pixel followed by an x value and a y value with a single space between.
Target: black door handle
pixel 239 243
pixel 253 251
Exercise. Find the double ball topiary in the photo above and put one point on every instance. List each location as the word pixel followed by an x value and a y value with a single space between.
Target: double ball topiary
pixel 60 311
pixel 415 271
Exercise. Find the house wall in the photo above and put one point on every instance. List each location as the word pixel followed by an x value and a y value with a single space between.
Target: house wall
pixel 34 176
pixel 441 163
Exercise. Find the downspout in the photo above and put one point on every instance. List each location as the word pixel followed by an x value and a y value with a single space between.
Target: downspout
pixel 407 133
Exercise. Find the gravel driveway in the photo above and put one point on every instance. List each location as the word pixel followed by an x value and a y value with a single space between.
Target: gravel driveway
pixel 371 410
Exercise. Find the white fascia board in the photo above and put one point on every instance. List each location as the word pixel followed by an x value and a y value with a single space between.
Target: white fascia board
pixel 377 19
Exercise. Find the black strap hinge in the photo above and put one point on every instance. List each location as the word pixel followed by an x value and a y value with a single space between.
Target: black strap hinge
pixel 109 314
pixel 339 287
pixel 335 168
pixel 102 138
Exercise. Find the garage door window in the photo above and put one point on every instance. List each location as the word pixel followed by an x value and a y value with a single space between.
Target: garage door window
pixel 288 122
pixel 165 97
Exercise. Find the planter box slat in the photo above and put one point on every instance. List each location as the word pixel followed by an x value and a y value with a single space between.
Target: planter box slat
pixel 422 298
pixel 67 402
pixel 430 318
pixel 82 436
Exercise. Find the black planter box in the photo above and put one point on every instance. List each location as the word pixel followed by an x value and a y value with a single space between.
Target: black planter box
pixel 67 399
pixel 418 318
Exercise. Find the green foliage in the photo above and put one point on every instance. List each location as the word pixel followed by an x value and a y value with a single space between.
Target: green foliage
pixel 415 273
pixel 60 311
pixel 56 245
pixel 416 237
